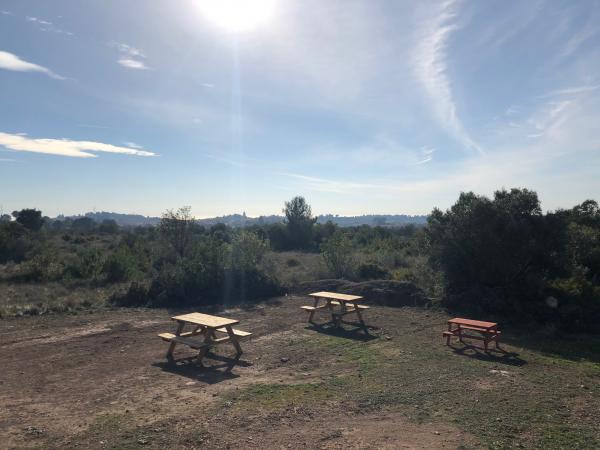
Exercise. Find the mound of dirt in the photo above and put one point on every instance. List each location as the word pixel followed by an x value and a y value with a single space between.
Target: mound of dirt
pixel 381 292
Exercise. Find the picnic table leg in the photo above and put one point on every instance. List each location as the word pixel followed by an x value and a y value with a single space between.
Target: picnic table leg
pixel 448 337
pixel 173 343
pixel 359 314
pixel 208 337
pixel 312 313
pixel 337 318
pixel 234 340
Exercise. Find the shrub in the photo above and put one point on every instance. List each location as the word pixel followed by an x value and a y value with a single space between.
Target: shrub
pixel 44 266
pixel 15 242
pixel 338 254
pixel 247 251
pixel 292 262
pixel 370 271
pixel 120 265
pixel 136 295
pixel 88 264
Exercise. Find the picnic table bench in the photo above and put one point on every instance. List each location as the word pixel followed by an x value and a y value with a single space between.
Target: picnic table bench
pixel 487 331
pixel 207 332
pixel 339 305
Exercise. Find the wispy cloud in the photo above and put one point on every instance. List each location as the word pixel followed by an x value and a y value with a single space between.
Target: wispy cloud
pixel 6 13
pixel 133 64
pixel 64 147
pixel 9 61
pixel 431 69
pixel 133 145
pixel 427 155
pixel 45 25
pixel 573 90
pixel 131 57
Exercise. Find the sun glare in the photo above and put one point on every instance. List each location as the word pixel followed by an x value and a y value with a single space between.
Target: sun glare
pixel 237 15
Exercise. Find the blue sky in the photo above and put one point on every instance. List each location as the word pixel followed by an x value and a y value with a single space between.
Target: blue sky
pixel 360 106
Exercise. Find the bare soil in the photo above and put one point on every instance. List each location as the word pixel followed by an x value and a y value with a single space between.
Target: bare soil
pixel 101 380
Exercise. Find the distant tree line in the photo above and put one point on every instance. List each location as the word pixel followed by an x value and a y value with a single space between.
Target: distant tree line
pixel 483 257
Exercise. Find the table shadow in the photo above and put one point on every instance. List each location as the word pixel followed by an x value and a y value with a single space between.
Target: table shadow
pixel 358 333
pixel 495 355
pixel 207 371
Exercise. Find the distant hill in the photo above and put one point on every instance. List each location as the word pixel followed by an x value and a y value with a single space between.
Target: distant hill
pixel 241 220
pixel 124 220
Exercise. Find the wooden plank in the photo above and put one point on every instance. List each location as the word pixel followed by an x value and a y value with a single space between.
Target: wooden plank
pixel 238 333
pixel 361 307
pixel 482 330
pixel 472 323
pixel 336 296
pixel 206 320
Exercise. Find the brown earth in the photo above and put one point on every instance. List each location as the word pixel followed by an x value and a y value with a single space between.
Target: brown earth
pixel 101 381
pixel 63 375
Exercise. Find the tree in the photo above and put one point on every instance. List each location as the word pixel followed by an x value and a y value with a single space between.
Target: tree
pixel 176 227
pixel 494 243
pixel 299 222
pixel 29 218
pixel 108 226
pixel 83 225
pixel 338 254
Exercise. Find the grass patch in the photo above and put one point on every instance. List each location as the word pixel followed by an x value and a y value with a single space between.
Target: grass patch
pixel 280 396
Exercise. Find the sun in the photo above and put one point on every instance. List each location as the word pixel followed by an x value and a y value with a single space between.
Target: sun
pixel 237 15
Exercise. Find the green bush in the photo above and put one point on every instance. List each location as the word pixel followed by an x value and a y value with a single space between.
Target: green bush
pixel 136 295
pixel 370 271
pixel 338 254
pixel 120 265
pixel 88 264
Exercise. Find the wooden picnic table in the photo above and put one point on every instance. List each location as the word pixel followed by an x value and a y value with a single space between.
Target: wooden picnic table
pixel 339 305
pixel 487 331
pixel 212 330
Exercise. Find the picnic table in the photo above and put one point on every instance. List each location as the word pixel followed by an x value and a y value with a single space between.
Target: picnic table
pixel 207 332
pixel 339 305
pixel 486 331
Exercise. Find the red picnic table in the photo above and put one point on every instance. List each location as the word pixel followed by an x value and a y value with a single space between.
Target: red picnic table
pixel 487 331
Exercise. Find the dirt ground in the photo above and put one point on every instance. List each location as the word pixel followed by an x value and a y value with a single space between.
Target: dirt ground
pixel 101 380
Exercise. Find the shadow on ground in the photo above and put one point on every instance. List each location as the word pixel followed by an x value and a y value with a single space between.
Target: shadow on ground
pixel 358 333
pixel 496 355
pixel 213 368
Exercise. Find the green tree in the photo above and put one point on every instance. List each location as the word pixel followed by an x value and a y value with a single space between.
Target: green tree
pixel 247 251
pixel 299 222
pixel 108 226
pixel 83 225
pixel 176 227
pixel 494 243
pixel 29 218
pixel 338 254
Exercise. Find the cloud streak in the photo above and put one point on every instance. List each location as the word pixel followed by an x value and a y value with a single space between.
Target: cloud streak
pixel 9 61
pixel 430 67
pixel 131 57
pixel 64 147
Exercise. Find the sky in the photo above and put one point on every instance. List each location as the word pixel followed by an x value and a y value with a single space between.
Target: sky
pixel 362 107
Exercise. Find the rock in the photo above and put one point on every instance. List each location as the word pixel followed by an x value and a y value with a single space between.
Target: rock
pixel 34 431
pixel 285 359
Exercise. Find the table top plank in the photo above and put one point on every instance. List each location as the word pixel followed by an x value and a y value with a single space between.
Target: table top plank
pixel 473 323
pixel 206 320
pixel 336 296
